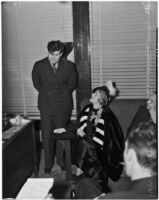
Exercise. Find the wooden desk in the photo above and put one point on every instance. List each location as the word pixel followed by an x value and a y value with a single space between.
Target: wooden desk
pixel 19 159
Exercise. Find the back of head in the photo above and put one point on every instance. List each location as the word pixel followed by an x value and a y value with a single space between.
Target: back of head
pixel 143 140
pixel 55 46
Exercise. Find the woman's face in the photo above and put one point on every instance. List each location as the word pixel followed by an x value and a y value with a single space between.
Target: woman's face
pixel 95 97
pixel 127 159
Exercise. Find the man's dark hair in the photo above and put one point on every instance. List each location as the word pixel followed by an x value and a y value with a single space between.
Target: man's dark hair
pixel 143 139
pixel 55 46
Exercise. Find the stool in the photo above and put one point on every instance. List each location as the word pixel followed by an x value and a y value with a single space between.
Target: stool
pixel 67 136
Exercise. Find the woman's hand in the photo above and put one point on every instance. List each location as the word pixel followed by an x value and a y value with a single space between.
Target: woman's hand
pixel 80 132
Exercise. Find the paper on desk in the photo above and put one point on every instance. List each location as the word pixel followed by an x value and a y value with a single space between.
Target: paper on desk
pixel 10 132
pixel 35 188
pixel 23 121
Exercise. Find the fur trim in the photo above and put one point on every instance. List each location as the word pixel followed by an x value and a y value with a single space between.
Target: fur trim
pixel 99 131
pixel 111 88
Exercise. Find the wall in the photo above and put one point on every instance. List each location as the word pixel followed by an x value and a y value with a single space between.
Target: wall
pixel 125 109
pixel 27 27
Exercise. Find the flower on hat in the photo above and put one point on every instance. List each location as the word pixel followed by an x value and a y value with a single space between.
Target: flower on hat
pixel 111 88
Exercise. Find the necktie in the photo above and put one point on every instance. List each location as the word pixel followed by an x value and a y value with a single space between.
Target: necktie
pixel 54 68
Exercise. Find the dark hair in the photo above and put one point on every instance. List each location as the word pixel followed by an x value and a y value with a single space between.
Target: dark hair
pixel 143 139
pixel 55 46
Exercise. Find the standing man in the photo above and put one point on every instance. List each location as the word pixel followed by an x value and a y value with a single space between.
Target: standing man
pixel 54 78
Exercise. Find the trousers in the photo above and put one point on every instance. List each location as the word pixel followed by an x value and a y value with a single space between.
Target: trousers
pixel 49 122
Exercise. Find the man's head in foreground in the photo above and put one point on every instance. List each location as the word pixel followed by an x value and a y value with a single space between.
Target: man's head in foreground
pixel 140 154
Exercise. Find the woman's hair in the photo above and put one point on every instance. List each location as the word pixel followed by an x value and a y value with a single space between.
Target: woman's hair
pixel 143 139
pixel 103 100
pixel 107 92
pixel 55 46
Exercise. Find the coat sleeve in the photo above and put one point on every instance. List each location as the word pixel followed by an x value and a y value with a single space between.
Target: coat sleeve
pixel 116 147
pixel 36 77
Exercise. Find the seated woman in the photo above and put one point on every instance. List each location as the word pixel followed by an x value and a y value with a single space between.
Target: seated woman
pixel 100 145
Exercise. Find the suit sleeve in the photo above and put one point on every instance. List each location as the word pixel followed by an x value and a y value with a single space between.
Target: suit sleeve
pixel 36 77
pixel 72 79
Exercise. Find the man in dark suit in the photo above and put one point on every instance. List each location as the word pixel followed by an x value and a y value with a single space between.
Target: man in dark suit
pixel 145 113
pixel 55 78
pixel 140 159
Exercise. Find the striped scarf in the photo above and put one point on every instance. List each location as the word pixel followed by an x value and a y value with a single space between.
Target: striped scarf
pixel 99 130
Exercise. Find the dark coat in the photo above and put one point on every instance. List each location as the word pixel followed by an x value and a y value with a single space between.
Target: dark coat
pixel 110 153
pixel 145 188
pixel 55 90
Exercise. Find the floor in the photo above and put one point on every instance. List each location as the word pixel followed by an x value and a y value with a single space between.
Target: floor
pixel 61 189
pixel 56 171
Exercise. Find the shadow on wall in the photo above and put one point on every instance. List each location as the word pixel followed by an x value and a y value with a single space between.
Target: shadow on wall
pixel 125 110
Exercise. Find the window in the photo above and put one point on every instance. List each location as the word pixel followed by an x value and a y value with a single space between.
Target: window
pixel 123 46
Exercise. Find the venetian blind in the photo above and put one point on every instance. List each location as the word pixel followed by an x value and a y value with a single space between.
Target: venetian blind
pixel 32 25
pixel 12 90
pixel 123 46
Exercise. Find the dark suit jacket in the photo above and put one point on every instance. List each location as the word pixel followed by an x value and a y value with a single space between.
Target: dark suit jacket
pixel 145 188
pixel 55 90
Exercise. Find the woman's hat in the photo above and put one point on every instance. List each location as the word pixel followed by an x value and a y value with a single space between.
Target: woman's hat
pixel 110 90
